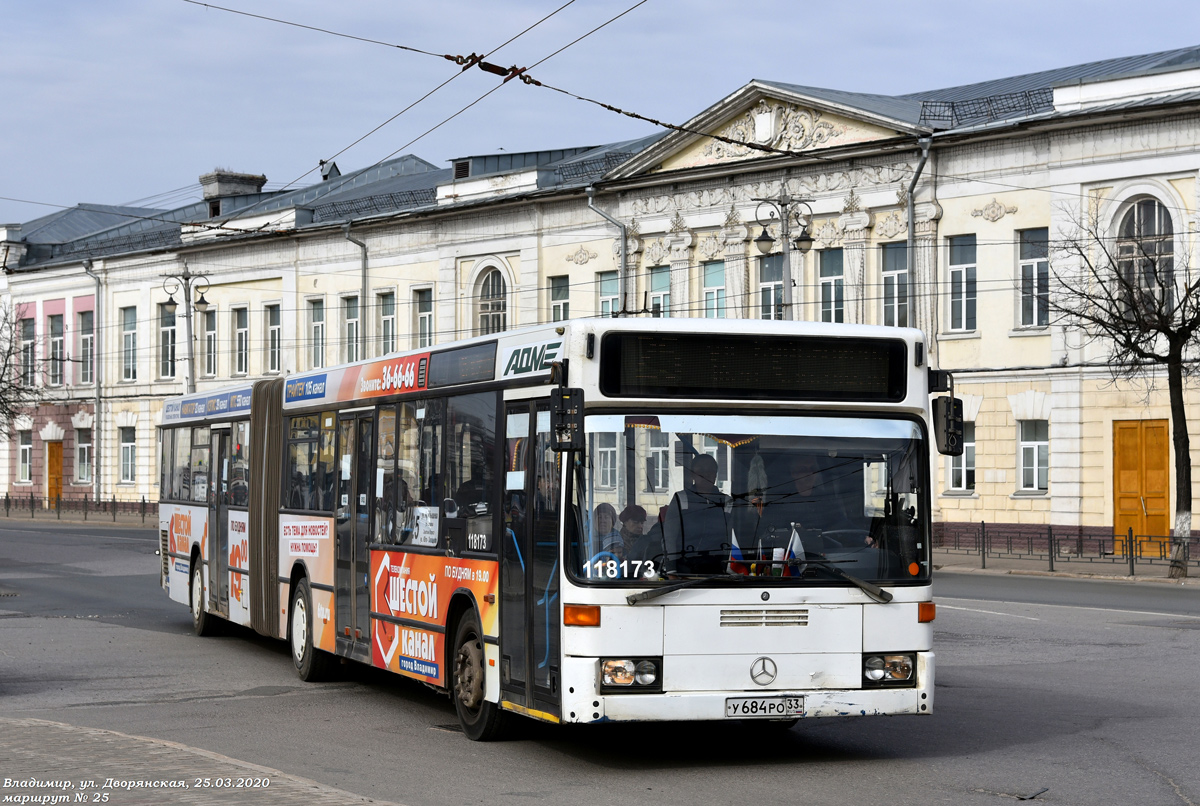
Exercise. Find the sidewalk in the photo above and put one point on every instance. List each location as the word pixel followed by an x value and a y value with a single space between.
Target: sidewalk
pixel 957 563
pixel 43 516
pixel 49 762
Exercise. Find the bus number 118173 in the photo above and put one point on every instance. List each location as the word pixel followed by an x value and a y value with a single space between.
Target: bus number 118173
pixel 618 569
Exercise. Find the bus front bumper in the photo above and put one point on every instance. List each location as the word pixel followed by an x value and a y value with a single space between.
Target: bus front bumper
pixel 589 706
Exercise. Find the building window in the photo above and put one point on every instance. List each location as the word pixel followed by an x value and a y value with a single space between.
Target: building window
pixel 658 463
pixel 606 460
pixel 609 293
pixel 895 284
pixel 962 282
pixel 1035 277
pixel 83 454
pixel 209 320
pixel 55 325
pixel 660 291
pixel 25 457
pixel 241 341
pixel 28 352
pixel 833 307
pixel 1035 454
pixel 166 341
pixel 350 329
pixel 560 295
pixel 87 347
pixel 316 322
pixel 1145 254
pixel 274 338
pixel 714 289
pixel 128 455
pixel 770 286
pixel 387 323
pixel 493 303
pixel 129 344
pixel 962 468
pixel 423 308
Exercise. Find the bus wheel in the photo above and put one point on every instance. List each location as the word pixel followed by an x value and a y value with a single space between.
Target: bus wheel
pixel 482 721
pixel 312 664
pixel 203 623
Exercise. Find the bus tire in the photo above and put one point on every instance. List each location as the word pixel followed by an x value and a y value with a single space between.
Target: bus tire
pixel 481 721
pixel 312 664
pixel 203 622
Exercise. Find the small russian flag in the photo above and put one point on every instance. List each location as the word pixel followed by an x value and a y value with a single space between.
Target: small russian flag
pixel 737 563
pixel 795 551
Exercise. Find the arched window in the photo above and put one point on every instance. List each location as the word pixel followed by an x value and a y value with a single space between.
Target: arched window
pixel 493 303
pixel 1145 253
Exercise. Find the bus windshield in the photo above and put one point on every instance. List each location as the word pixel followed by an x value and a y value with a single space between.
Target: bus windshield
pixel 792 499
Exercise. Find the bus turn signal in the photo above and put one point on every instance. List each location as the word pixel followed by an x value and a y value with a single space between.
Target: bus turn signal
pixel 581 616
pixel 926 612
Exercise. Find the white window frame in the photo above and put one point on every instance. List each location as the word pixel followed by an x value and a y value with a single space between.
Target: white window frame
pixel 87 346
pixel 274 340
pixel 83 455
pixel 351 325
pixel 606 460
pixel 659 282
pixel 963 269
pixel 28 326
pixel 714 291
pixel 1033 274
pixel 316 325
pixel 211 345
pixel 960 473
pixel 241 340
pixel 57 349
pixel 25 457
pixel 128 437
pixel 833 285
pixel 492 301
pixel 608 293
pixel 770 290
pixel 658 449
pixel 895 286
pixel 423 317
pixel 560 298
pixel 1033 457
pixel 387 321
pixel 167 341
pixel 129 343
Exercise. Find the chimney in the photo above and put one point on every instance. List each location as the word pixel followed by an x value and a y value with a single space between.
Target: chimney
pixel 12 247
pixel 228 183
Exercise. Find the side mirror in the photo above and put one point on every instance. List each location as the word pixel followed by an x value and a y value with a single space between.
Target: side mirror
pixel 948 425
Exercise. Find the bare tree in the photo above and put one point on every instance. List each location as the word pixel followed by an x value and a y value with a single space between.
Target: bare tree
pixel 18 366
pixel 1132 294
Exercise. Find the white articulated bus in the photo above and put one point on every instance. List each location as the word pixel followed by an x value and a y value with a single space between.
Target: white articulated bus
pixel 599 520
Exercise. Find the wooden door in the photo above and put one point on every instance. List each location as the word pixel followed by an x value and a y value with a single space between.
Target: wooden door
pixel 53 472
pixel 1141 477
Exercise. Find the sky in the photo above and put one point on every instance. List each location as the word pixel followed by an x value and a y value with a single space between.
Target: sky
pixel 130 101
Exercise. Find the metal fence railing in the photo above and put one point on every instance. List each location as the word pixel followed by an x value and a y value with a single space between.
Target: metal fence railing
pixel 33 506
pixel 1065 546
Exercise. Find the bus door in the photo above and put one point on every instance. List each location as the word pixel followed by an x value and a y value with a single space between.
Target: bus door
pixel 218 523
pixel 529 566
pixel 355 492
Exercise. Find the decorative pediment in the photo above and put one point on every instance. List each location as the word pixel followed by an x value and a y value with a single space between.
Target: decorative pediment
pixel 773 124
pixel 52 432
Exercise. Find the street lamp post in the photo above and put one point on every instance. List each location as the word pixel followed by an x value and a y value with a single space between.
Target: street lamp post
pixel 184 281
pixel 782 206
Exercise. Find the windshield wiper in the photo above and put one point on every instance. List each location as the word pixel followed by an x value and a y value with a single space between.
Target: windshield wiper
pixel 874 591
pixel 654 593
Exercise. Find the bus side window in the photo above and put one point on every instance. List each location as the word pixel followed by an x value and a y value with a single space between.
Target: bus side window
pixel 181 488
pixel 408 456
pixel 300 480
pixel 471 452
pixel 239 483
pixel 165 454
pixel 326 471
pixel 385 477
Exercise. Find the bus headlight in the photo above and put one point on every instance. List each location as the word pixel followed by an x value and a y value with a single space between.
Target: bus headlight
pixel 630 675
pixel 889 670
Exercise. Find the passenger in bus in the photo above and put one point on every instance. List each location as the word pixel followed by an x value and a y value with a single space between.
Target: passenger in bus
pixel 697 531
pixel 813 505
pixel 633 532
pixel 605 536
pixel 471 495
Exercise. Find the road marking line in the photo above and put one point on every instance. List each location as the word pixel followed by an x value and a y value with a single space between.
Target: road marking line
pixel 992 612
pixel 941 599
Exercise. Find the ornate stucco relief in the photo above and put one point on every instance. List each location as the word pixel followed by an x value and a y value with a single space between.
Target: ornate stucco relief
pixel 657 252
pixel 711 247
pixel 778 125
pixel 581 257
pixel 993 211
pixel 891 225
pixel 829 233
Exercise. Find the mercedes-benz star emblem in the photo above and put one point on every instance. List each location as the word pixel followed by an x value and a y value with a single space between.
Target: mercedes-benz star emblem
pixel 763 671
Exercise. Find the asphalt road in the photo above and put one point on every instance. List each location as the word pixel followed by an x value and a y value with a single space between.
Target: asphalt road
pixel 1083 689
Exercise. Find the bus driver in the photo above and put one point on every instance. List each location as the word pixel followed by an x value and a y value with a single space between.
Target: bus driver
pixel 697 528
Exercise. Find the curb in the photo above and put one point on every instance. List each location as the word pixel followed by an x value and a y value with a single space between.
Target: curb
pixel 963 569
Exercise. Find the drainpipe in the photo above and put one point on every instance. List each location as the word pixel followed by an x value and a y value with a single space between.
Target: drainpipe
pixel 623 280
pixel 362 299
pixel 97 366
pixel 924 143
